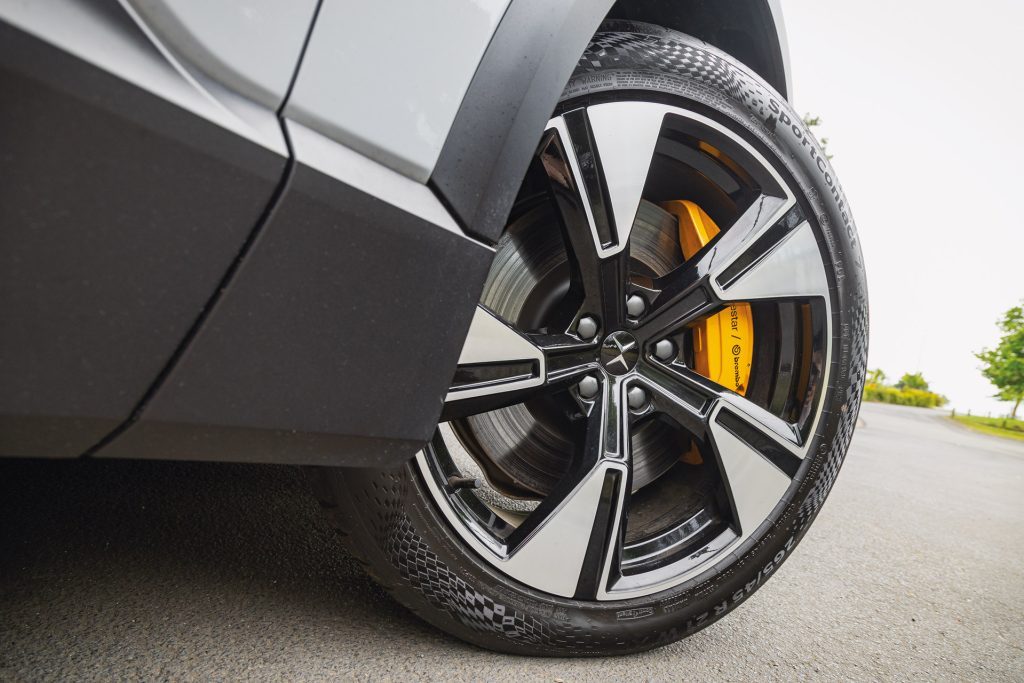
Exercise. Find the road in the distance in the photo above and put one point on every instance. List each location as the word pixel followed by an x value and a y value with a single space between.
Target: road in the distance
pixel 121 570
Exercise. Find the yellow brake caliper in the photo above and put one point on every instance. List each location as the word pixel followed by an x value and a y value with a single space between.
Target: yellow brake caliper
pixel 723 344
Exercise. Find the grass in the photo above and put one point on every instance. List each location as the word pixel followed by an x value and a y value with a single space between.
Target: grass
pixel 998 426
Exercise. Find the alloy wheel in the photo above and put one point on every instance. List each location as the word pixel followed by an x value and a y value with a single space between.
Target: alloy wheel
pixel 617 464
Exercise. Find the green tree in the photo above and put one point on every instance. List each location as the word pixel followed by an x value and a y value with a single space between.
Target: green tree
pixel 876 376
pixel 912 381
pixel 813 122
pixel 1004 365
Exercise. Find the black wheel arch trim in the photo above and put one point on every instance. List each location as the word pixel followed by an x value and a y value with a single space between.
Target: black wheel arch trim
pixel 524 71
pixel 511 97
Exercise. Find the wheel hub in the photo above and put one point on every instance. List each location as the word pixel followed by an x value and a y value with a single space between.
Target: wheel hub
pixel 619 352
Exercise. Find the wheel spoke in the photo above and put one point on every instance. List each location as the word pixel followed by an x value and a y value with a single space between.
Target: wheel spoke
pixel 691 292
pixel 755 482
pixel 571 543
pixel 500 366
pixel 596 170
pixel 625 135
pixel 689 398
pixel 495 358
pixel 580 226
pixel 676 394
pixel 782 263
pixel 759 453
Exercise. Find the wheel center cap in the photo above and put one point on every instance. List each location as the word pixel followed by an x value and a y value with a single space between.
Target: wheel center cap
pixel 619 352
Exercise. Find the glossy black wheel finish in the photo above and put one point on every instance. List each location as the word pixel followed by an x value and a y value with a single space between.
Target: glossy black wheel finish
pixel 403 521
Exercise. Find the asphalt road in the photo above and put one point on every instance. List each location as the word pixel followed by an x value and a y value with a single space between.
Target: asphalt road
pixel 122 570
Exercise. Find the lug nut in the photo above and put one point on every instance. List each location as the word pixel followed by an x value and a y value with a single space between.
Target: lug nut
pixel 636 397
pixel 664 350
pixel 586 328
pixel 588 387
pixel 635 305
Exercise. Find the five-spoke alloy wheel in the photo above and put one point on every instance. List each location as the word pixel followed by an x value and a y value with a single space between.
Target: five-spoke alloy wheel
pixel 598 348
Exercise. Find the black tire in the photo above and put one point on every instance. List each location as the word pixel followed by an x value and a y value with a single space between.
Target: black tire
pixel 392 524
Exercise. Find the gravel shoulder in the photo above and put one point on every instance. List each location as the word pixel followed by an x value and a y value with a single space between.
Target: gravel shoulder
pixel 127 570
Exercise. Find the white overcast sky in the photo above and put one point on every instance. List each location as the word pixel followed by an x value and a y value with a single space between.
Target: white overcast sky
pixel 923 105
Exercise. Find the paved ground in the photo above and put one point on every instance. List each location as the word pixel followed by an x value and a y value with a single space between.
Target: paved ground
pixel 914 570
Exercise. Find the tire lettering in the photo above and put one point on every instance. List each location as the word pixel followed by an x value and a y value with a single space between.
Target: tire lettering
pixel 636 613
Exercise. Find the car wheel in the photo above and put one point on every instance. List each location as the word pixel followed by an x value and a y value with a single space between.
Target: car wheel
pixel 660 382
